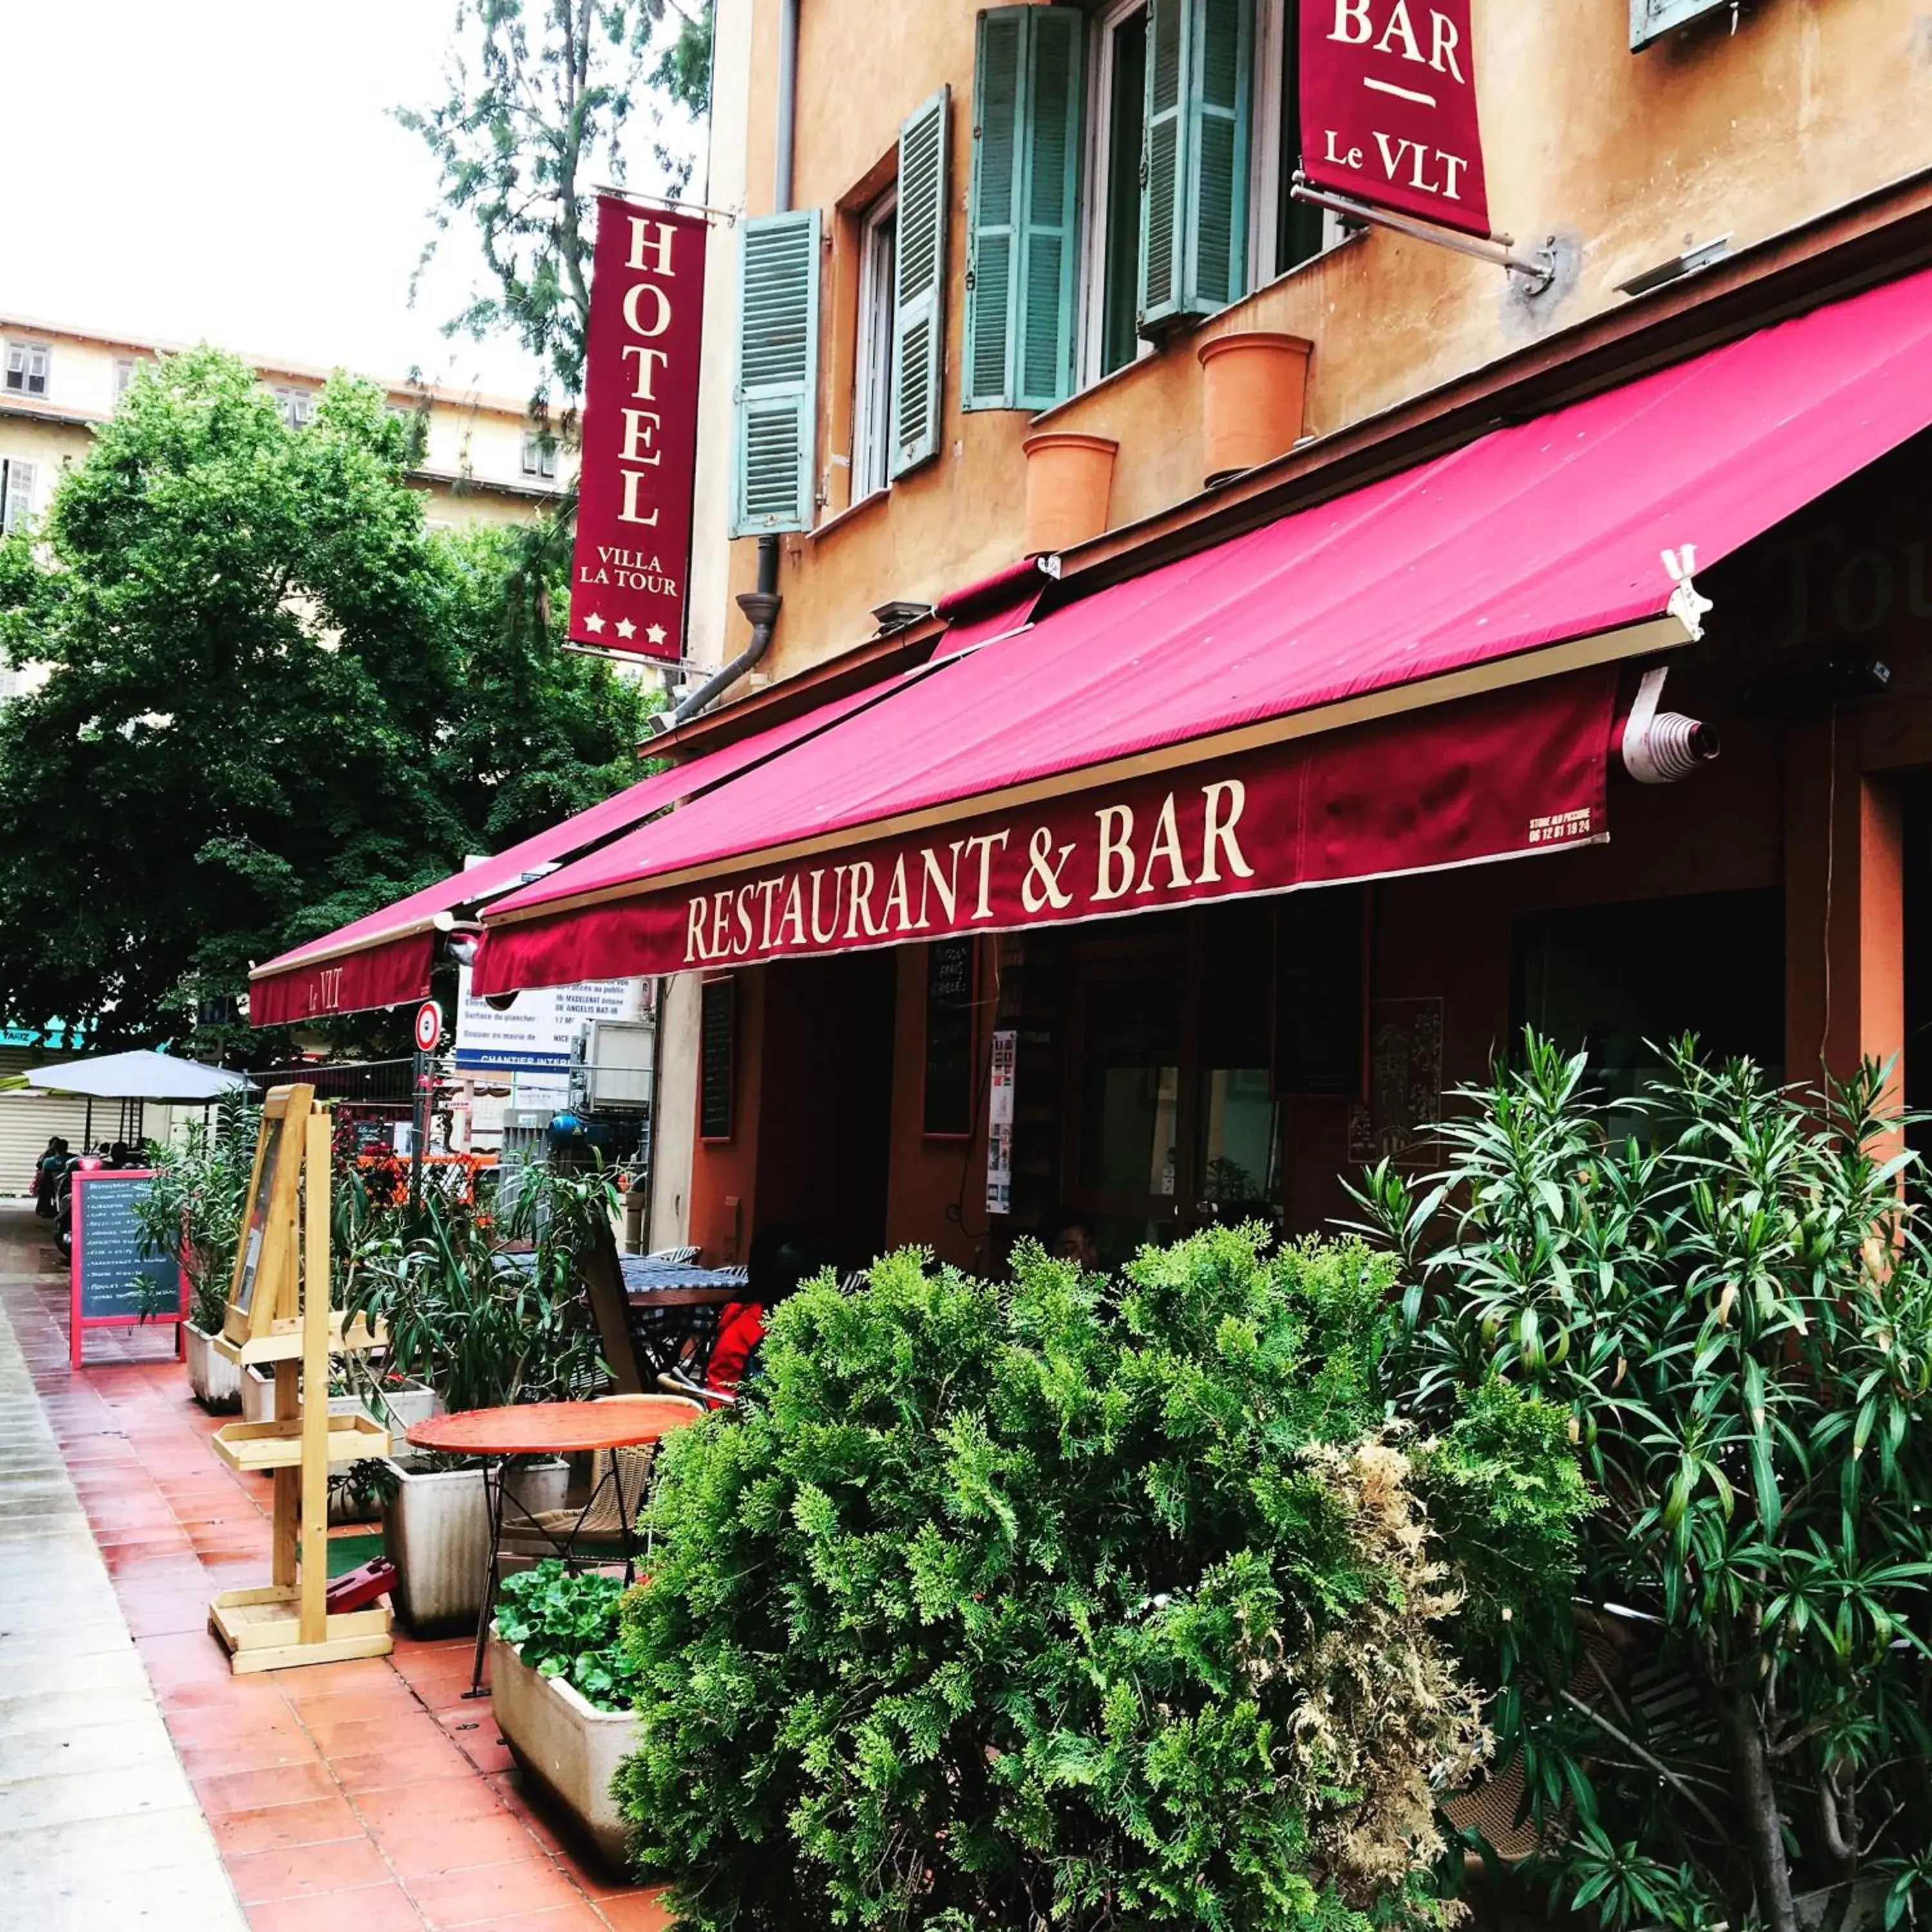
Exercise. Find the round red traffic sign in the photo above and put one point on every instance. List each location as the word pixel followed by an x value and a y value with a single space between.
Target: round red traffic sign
pixel 429 1026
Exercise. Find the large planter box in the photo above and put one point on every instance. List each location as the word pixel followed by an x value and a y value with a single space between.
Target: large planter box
pixel 566 1744
pixel 436 1532
pixel 215 1380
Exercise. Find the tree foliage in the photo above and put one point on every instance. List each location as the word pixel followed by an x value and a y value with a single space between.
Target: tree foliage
pixel 1734 1308
pixel 277 699
pixel 1057 1605
pixel 539 99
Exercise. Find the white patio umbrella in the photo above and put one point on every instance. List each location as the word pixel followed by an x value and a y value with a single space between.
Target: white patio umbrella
pixel 139 1076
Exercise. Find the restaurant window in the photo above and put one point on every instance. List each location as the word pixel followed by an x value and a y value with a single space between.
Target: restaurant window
pixel 872 373
pixel 1172 1119
pixel 27 366
pixel 17 494
pixel 1618 983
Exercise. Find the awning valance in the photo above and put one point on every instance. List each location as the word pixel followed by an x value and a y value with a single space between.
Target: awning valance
pixel 1330 665
pixel 384 958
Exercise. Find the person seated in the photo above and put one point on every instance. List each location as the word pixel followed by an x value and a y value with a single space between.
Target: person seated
pixel 781 1258
pixel 1066 1234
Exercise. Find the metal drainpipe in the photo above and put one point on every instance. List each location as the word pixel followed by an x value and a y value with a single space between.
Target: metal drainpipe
pixel 760 606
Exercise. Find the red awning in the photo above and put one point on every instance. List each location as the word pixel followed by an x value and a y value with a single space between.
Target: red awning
pixel 384 959
pixel 1279 661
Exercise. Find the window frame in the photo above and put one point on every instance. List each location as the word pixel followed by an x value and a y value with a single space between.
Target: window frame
pixel 539 455
pixel 872 372
pixel 125 367
pixel 1268 118
pixel 297 404
pixel 18 476
pixel 29 352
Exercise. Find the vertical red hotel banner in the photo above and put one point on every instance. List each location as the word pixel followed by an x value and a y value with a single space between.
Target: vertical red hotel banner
pixel 1388 107
pixel 627 579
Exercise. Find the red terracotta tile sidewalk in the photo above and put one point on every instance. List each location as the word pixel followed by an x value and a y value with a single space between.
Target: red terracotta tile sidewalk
pixel 365 1796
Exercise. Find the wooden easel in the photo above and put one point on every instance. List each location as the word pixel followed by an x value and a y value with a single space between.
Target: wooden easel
pixel 279 1313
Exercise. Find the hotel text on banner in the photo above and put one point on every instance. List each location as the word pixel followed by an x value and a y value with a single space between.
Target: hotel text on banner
pixel 1388 107
pixel 627 586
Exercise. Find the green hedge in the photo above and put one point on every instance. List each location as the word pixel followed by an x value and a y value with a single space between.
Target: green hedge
pixel 1055 1603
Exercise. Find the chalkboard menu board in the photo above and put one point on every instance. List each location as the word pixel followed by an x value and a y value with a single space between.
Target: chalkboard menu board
pixel 717 1059
pixel 1318 992
pixel 949 1036
pixel 115 1275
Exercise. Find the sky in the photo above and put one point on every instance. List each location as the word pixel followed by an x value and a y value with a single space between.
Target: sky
pixel 229 169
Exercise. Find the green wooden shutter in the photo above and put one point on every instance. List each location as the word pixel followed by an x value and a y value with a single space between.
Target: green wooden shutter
pixel 1194 192
pixel 1650 19
pixel 1049 268
pixel 992 265
pixel 775 396
pixel 918 287
pixel 1022 274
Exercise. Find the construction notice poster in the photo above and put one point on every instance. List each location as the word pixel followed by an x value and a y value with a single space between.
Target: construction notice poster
pixel 627 579
pixel 1388 107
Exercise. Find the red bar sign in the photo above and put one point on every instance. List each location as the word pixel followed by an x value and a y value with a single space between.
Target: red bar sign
pixel 1388 107
pixel 627 585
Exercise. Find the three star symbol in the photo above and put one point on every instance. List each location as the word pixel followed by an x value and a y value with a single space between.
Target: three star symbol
pixel 655 634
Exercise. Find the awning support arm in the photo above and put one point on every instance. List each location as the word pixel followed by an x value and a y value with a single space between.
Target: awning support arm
pixel 1539 270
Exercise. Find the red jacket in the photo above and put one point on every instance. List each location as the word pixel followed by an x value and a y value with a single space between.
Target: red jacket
pixel 741 1326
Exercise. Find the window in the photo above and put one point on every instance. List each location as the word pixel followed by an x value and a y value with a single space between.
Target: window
pixel 296 404
pixel 539 456
pixel 27 368
pixel 1651 20
pixel 1180 115
pixel 872 372
pixel 16 494
pixel 124 376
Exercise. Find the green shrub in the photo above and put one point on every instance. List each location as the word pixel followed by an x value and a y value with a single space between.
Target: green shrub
pixel 566 1626
pixel 1053 1605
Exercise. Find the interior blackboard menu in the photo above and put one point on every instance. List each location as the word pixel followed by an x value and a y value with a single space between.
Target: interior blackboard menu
pixel 949 1036
pixel 117 1278
pixel 1318 991
pixel 717 1054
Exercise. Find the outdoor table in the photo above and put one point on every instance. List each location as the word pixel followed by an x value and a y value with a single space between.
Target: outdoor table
pixel 544 1429
pixel 674 1304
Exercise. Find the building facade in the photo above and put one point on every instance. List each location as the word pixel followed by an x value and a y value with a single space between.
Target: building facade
pixel 483 460
pixel 975 276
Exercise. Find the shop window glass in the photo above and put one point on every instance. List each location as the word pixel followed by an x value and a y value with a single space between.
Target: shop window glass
pixel 1237 1163
pixel 1618 982
pixel 1130 1087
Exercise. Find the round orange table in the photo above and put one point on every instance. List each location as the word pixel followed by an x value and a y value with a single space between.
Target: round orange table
pixel 546 1428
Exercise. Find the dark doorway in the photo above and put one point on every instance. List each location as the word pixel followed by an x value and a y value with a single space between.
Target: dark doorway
pixel 1619 981
pixel 825 1117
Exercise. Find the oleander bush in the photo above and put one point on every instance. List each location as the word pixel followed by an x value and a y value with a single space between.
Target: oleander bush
pixel 1075 1604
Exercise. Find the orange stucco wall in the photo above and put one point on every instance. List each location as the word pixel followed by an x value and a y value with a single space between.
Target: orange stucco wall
pixel 1628 157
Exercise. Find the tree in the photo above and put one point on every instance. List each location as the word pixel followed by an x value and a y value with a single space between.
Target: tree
pixel 1734 1307
pixel 538 102
pixel 1063 1605
pixel 276 699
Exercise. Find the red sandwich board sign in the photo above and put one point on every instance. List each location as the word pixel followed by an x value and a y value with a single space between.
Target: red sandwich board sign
pixel 429 1027
pixel 117 1280
pixel 1388 108
pixel 628 576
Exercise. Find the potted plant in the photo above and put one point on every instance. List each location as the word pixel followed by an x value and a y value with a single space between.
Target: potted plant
pixel 486 1307
pixel 192 1213
pixel 563 1691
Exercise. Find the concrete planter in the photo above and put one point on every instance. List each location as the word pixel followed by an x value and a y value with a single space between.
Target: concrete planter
pixel 436 1532
pixel 215 1380
pixel 565 1744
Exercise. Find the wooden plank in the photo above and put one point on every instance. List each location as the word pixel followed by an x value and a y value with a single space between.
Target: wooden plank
pixel 315 1381
pixel 287 1482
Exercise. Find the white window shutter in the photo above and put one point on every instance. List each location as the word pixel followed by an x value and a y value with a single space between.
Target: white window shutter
pixel 774 446
pixel 1650 19
pixel 919 290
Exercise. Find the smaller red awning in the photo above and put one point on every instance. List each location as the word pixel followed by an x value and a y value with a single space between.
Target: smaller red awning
pixel 384 959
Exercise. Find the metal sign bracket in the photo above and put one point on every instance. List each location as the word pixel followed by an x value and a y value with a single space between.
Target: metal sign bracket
pixel 1538 270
